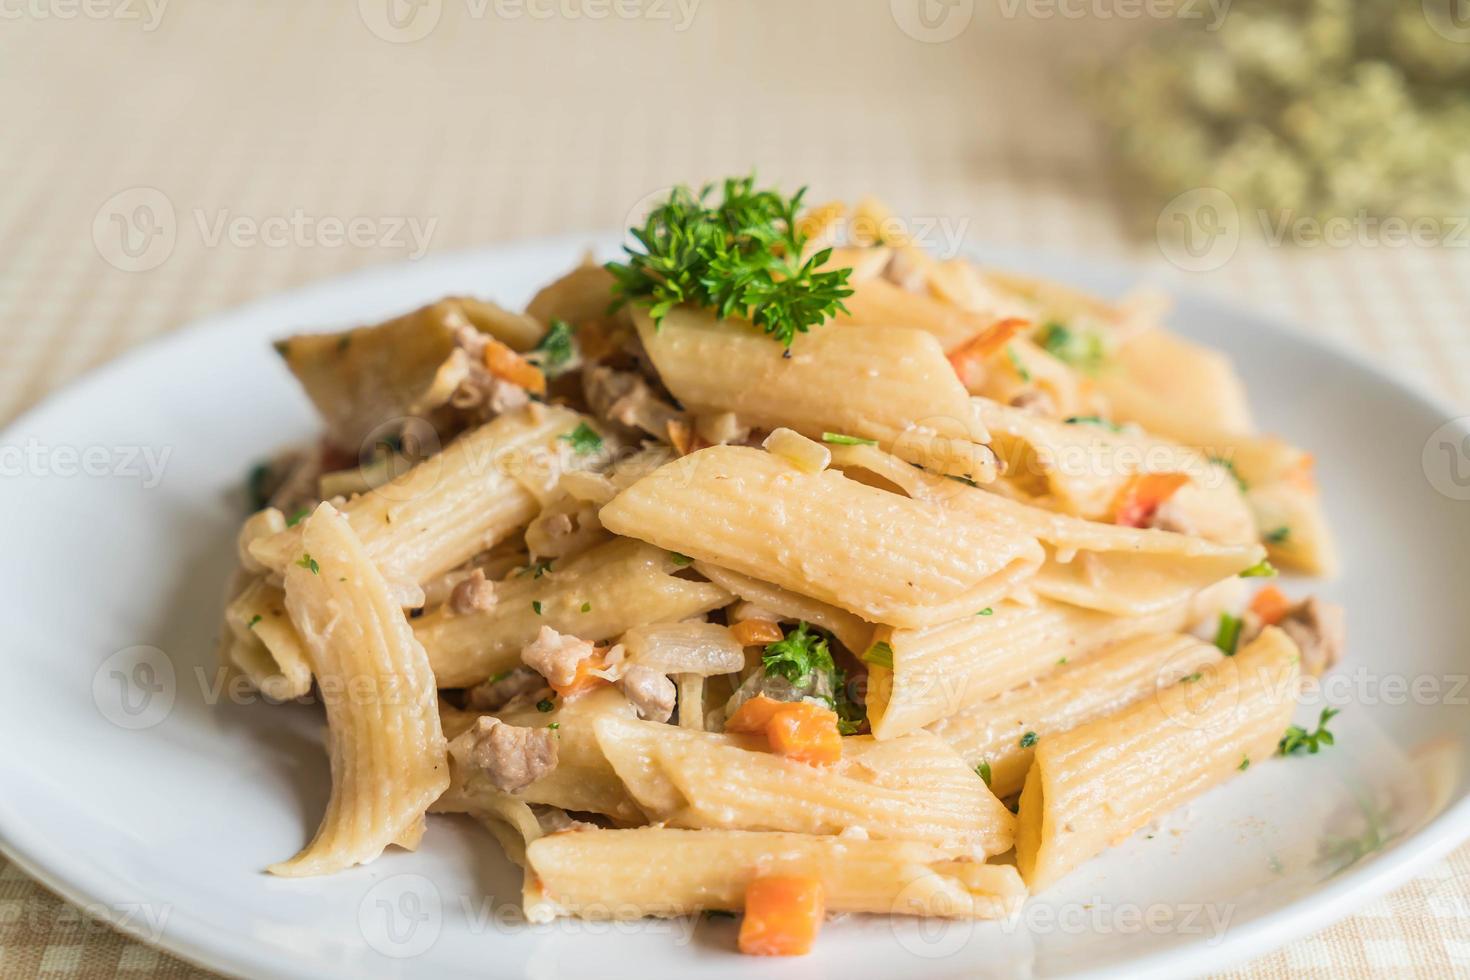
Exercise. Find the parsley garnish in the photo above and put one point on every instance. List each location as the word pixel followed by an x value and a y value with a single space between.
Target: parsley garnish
pixel 298 517
pixel 1191 678
pixel 1016 363
pixel 556 348
pixel 257 485
pixel 1298 740
pixel 544 705
pixel 1278 536
pixel 987 611
pixel 1230 468
pixel 536 606
pixel 739 258
pixel 1028 740
pixel 536 569
pixel 797 655
pixel 681 560
pixel 1261 569
pixel 1227 636
pixel 879 653
pixel 553 725
pixel 1097 420
pixel 584 439
pixel 983 771
pixel 253 620
pixel 496 679
pixel 1083 349
pixel 1245 763
pixel 586 607
pixel 1062 662
pixel 309 563
pixel 838 439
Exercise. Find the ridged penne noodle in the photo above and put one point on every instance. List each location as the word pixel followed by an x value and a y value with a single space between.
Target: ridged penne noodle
pixel 879 303
pixel 583 780
pixel 913 788
pixel 453 505
pixel 596 595
pixel 887 383
pixel 1159 377
pixel 388 753
pixel 851 631
pixel 1096 784
pixel 1079 691
pixel 257 616
pixel 651 871
pixel 940 670
pixel 1084 468
pixel 825 536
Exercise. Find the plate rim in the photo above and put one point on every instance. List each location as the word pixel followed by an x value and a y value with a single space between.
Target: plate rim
pixel 230 954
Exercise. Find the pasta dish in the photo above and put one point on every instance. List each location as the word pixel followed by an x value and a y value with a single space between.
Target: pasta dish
pixel 779 569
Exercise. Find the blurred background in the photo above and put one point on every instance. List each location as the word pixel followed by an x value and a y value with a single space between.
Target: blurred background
pixel 165 159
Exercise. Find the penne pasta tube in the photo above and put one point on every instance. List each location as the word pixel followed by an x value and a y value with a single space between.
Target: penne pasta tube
pixel 880 303
pixel 851 631
pixel 453 505
pixel 913 788
pixel 996 731
pixel 942 669
pixel 886 383
pixel 879 555
pixel 596 595
pixel 1095 785
pixel 652 871
pixel 388 752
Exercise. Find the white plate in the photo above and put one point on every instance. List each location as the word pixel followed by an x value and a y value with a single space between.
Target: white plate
pixel 125 789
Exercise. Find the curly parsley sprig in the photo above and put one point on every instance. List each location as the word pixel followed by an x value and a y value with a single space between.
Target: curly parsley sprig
pixel 740 257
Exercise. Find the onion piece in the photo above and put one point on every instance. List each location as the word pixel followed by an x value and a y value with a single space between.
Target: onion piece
pixel 705 649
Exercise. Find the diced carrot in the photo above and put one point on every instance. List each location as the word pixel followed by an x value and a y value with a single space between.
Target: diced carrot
pixel 1270 605
pixel 799 730
pixel 1143 495
pixel 683 437
pixel 584 681
pixel 756 632
pixel 805 732
pixel 782 915
pixel 505 363
pixel 969 355
pixel 1303 474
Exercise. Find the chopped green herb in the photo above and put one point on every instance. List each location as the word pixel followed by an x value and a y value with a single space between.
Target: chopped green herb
pixel 584 439
pixel 1261 569
pixel 1298 740
pixel 257 486
pixel 798 655
pixel 343 343
pixel 554 725
pixel 1227 636
pixel 309 563
pixel 879 653
pixel 1191 678
pixel 1277 536
pixel 1083 349
pixel 1062 662
pixel 1230 468
pixel 536 569
pixel 298 517
pixel 556 349
pixel 253 620
pixel 740 258
pixel 1245 763
pixel 544 705
pixel 536 606
pixel 987 611
pixel 983 771
pixel 837 439
pixel 586 607
pixel 1097 420
pixel 681 560
pixel 1016 363
pixel 1028 740
pixel 497 678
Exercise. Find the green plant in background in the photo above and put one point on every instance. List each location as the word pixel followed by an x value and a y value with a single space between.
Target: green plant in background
pixel 1313 108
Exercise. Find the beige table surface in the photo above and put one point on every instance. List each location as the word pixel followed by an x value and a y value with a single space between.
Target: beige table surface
pixel 528 118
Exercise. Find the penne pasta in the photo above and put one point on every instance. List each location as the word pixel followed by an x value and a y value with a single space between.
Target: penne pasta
pixel 851 631
pixel 1098 783
pixel 387 750
pixel 276 663
pixel 651 871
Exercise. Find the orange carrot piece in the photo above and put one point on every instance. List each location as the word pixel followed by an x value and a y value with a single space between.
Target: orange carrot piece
pixel 584 681
pixel 1270 605
pixel 805 732
pixel 782 915
pixel 1143 495
pixel 1303 475
pixel 754 715
pixel 985 343
pixel 505 363
pixel 756 632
